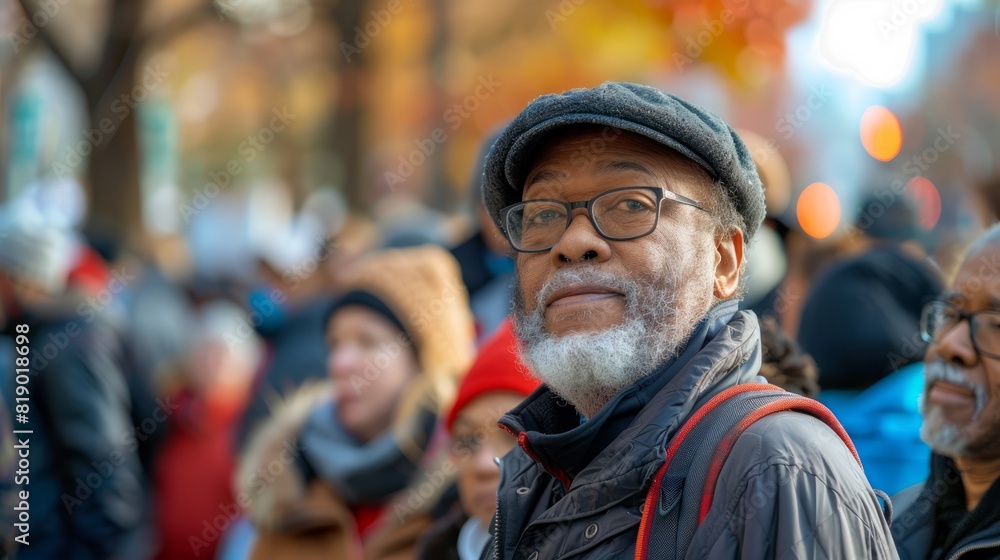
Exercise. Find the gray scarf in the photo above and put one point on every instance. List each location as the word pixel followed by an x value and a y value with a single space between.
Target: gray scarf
pixel 362 473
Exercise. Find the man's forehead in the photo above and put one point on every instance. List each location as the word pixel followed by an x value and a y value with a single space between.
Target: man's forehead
pixel 545 174
pixel 598 154
pixel 593 144
pixel 979 275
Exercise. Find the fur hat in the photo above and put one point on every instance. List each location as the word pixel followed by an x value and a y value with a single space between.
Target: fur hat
pixel 422 286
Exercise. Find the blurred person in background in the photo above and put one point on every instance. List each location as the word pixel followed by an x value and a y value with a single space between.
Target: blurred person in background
pixel 783 363
pixel 485 257
pixel 291 328
pixel 152 313
pixel 783 261
pixel 351 470
pixel 289 304
pixel 767 259
pixel 986 199
pixel 9 497
pixel 955 514
pixel 495 383
pixel 406 221
pixel 861 320
pixel 861 323
pixel 195 468
pixel 88 491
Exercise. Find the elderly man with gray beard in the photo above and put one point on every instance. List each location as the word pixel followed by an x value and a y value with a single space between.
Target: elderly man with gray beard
pixel 956 513
pixel 631 210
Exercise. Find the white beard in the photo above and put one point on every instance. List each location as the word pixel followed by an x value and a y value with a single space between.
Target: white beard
pixel 589 369
pixel 944 437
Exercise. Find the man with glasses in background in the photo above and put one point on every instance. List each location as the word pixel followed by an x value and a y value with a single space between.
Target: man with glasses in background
pixel 630 211
pixel 956 513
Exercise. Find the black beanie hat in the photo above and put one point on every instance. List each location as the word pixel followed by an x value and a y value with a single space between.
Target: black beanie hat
pixel 368 301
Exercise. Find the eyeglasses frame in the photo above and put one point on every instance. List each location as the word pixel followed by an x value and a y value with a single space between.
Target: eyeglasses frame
pixel 962 316
pixel 662 194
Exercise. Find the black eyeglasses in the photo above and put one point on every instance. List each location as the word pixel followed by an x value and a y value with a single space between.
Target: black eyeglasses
pixel 939 317
pixel 620 214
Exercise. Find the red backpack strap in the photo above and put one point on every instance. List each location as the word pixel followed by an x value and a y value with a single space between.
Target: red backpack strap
pixel 798 404
pixel 650 505
pixel 736 408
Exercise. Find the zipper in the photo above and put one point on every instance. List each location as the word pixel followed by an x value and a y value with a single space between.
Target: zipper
pixel 497 538
pixel 982 546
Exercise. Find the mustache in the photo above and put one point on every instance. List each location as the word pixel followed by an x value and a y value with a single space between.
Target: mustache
pixel 939 370
pixel 569 277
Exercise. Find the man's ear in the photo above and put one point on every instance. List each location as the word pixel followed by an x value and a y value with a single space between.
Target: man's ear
pixel 728 262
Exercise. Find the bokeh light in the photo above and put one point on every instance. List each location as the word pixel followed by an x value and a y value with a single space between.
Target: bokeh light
pixel 881 134
pixel 818 210
pixel 928 201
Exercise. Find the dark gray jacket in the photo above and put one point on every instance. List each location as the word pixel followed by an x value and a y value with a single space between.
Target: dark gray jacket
pixel 790 488
pixel 915 523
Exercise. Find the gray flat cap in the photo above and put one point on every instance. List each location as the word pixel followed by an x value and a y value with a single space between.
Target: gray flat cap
pixel 683 126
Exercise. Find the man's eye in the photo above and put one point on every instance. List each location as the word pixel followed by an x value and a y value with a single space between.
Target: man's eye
pixel 634 205
pixel 993 321
pixel 544 217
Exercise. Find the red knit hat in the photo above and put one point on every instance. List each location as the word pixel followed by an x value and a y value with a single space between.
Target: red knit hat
pixel 497 368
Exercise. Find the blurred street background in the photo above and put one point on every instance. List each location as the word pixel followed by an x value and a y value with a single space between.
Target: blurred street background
pixel 202 178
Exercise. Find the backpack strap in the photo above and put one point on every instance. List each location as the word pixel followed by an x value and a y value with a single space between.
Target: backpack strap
pixel 697 453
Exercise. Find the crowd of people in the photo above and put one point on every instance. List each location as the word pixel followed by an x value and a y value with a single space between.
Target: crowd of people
pixel 607 367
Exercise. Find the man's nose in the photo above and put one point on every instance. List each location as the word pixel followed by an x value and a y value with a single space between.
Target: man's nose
pixel 580 242
pixel 955 346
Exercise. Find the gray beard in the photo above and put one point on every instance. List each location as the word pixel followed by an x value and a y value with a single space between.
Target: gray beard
pixel 589 369
pixel 944 437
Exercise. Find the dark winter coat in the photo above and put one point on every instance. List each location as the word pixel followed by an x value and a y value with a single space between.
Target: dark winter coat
pixel 87 488
pixel 296 353
pixel 919 519
pixel 790 488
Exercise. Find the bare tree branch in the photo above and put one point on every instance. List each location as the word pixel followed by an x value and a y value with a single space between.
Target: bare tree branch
pixel 30 10
pixel 122 37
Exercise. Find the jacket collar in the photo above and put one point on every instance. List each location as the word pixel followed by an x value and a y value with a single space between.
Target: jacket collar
pixel 727 341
